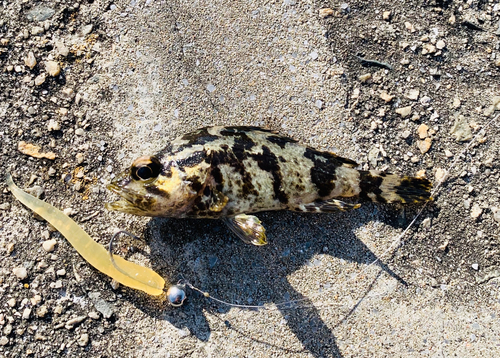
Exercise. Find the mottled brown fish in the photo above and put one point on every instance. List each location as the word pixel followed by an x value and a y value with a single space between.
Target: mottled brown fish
pixel 230 172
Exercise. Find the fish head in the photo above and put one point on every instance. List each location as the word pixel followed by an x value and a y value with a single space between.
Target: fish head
pixel 153 188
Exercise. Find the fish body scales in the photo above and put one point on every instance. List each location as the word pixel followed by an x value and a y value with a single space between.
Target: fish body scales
pixel 227 172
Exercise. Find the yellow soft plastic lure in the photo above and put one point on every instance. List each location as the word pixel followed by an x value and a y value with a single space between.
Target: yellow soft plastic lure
pixel 125 272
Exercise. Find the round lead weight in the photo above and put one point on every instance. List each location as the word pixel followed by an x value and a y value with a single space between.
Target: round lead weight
pixel 176 295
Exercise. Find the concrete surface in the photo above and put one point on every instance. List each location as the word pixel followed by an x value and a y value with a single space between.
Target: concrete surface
pixel 148 71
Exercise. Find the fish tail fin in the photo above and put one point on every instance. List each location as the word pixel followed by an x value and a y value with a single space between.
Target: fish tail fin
pixel 391 188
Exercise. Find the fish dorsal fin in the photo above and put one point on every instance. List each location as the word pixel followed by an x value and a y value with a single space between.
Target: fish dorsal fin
pixel 345 161
pixel 248 228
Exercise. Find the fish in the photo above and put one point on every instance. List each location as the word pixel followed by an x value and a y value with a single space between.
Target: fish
pixel 230 173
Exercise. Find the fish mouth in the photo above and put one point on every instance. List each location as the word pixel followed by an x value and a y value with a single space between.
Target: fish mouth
pixel 129 200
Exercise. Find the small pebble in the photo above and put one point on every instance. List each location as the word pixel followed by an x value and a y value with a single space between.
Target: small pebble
pixel 428 49
pixel 476 211
pixel 424 145
pixel 210 88
pixel 53 125
pixel 62 49
pixel 386 97
pixel 443 246
pixel 83 340
pixel 79 131
pixel 440 174
pixel 63 111
pixel 79 158
pixel 461 129
pixel 421 174
pixel 74 321
pixel 413 94
pixel 426 223
pixel 4 341
pixel 42 311
pixel 12 302
pixel 422 131
pixel 40 79
pixel 86 29
pixel 325 12
pixel 20 272
pixel 58 309
pixel 49 245
pixel 36 300
pixel 52 68
pixel 410 27
pixel 37 30
pixel 94 315
pixel 448 153
pixel 26 313
pixel 61 272
pixel 406 134
pixel 373 156
pixel 365 77
pixel 68 92
pixel 496 213
pixel 475 266
pixel 30 60
pixel 440 44
pixel 40 13
pixel 77 186
pixel 386 15
pixel 114 284
pixel 8 329
pixel 425 100
pixel 404 111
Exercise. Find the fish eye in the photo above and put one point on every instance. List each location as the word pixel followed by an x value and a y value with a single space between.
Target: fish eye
pixel 145 168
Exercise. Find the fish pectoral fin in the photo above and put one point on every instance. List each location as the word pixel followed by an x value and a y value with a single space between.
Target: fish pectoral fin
pixel 248 228
pixel 327 206
pixel 218 201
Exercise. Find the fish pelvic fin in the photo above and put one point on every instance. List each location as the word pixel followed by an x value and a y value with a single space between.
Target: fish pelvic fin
pixel 248 228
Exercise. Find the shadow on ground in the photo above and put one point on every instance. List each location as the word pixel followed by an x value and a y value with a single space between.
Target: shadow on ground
pixel 211 258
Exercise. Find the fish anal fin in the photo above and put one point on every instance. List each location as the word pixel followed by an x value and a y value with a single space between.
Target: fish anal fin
pixel 248 228
pixel 327 206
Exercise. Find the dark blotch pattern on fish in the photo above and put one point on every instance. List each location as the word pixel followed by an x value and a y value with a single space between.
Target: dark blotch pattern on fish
pixel 281 141
pixel 268 162
pixel 323 170
pixel 235 160
pixel 370 184
pixel 156 191
pixel 201 137
pixel 194 159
